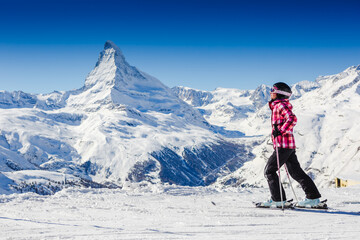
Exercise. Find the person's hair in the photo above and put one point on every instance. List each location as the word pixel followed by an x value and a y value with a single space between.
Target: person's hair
pixel 283 87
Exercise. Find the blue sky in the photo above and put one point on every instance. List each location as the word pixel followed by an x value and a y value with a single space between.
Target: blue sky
pixel 53 45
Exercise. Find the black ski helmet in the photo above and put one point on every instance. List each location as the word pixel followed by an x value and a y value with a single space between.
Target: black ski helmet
pixel 282 90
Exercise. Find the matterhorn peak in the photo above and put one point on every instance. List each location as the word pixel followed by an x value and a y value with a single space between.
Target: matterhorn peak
pixel 112 47
pixel 114 82
pixel 110 44
pixel 110 69
pixel 111 53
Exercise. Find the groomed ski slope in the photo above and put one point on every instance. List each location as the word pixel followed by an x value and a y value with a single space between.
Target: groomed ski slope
pixel 167 212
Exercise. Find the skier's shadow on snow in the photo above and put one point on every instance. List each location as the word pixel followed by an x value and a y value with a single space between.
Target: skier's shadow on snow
pixel 330 211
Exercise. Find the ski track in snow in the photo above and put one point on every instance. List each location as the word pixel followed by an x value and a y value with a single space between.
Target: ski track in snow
pixel 168 212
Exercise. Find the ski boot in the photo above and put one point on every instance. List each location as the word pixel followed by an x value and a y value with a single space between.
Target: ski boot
pixel 312 203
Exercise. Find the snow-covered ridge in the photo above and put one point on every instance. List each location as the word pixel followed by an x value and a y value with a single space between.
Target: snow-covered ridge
pixel 193 97
pixel 303 87
pixel 225 107
pixel 19 99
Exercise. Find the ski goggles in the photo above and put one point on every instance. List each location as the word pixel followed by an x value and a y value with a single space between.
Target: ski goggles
pixel 275 90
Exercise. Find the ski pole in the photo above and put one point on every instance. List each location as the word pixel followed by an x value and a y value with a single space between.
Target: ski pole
pixel 287 172
pixel 278 163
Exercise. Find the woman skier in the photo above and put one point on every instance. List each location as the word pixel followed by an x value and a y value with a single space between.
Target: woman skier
pixel 283 121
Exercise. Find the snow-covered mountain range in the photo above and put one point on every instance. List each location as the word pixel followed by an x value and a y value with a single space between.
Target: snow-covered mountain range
pixel 328 145
pixel 124 126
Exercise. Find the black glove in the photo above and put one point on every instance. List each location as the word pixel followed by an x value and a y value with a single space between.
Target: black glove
pixel 276 132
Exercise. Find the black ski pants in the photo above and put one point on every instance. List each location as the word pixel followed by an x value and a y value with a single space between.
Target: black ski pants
pixel 288 157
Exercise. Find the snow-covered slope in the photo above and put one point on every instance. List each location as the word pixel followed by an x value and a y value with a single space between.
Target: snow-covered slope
pixel 122 125
pixel 173 213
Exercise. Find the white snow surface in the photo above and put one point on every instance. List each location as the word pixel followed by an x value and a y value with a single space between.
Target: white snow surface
pixel 168 212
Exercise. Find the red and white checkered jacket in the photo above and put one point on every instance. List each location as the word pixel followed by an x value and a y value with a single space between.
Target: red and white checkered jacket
pixel 285 119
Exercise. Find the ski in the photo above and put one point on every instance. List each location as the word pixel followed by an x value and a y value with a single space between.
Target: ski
pixel 322 206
